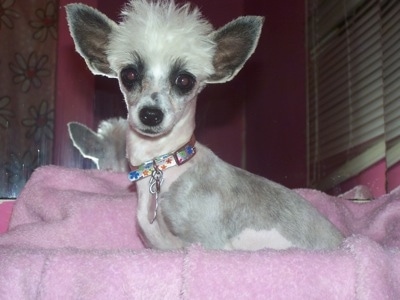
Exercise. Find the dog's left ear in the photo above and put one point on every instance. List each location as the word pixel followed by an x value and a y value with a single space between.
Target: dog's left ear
pixel 235 43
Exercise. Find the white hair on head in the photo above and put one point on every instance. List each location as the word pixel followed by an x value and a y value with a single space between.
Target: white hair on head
pixel 163 31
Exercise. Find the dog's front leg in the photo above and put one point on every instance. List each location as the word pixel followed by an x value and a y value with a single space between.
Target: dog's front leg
pixel 156 233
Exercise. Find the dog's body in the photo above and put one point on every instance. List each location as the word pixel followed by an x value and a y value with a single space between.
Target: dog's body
pixel 163 56
pixel 106 147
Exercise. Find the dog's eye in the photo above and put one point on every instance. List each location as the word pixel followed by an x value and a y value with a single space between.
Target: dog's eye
pixel 185 82
pixel 128 77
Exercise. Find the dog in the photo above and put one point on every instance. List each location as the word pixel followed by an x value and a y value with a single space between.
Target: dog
pixel 163 54
pixel 106 147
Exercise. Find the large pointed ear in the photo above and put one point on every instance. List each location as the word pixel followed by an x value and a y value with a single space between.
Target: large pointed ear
pixel 88 142
pixel 90 30
pixel 235 43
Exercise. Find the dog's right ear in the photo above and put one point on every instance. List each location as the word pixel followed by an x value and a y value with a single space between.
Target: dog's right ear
pixel 88 142
pixel 90 30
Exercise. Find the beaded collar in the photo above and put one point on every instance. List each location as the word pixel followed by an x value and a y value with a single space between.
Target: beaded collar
pixel 164 161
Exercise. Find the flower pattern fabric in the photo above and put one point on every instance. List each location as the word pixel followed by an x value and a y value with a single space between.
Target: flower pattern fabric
pixel 45 23
pixel 28 72
pixel 7 14
pixel 40 122
pixel 27 89
pixel 5 114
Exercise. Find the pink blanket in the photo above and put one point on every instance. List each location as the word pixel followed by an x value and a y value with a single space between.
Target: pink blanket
pixel 73 235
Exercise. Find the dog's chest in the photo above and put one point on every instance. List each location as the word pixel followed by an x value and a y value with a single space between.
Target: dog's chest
pixel 157 233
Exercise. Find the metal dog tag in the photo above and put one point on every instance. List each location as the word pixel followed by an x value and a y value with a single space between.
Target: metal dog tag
pixel 155 183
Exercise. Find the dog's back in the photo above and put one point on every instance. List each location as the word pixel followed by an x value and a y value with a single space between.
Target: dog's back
pixel 249 212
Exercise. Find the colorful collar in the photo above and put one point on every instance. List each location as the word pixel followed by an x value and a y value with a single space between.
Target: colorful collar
pixel 164 161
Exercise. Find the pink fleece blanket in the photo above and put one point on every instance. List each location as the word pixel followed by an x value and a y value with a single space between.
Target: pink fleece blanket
pixel 73 235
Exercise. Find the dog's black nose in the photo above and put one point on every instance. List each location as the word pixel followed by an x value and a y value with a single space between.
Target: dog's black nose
pixel 151 116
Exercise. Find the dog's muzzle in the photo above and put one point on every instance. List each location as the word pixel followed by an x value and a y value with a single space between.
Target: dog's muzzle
pixel 151 116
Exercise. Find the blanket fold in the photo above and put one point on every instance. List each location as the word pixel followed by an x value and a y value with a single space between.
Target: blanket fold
pixel 62 207
pixel 377 270
pixel 73 235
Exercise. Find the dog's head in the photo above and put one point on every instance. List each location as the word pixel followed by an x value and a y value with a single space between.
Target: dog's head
pixel 163 55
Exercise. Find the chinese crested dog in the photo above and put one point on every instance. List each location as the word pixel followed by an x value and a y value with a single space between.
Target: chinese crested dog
pixel 163 54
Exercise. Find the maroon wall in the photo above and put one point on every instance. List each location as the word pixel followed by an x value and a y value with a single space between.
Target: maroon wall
pixel 276 95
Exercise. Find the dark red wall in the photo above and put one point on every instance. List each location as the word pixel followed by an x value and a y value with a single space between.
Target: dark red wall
pixel 276 94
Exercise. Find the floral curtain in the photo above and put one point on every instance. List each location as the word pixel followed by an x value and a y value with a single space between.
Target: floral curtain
pixel 28 41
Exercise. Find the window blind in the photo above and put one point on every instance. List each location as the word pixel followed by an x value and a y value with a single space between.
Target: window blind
pixel 353 87
pixel 391 75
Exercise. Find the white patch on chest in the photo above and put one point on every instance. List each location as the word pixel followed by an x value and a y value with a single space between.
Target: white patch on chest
pixel 252 240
